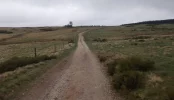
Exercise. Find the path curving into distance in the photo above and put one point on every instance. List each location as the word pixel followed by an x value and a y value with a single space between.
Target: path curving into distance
pixel 78 78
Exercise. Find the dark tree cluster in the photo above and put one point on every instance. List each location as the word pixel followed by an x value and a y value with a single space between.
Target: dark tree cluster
pixel 5 32
pixel 155 22
pixel 70 25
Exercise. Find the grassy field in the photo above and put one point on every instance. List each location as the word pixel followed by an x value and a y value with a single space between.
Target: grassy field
pixel 46 43
pixel 60 34
pixel 152 42
pixel 27 49
pixel 21 43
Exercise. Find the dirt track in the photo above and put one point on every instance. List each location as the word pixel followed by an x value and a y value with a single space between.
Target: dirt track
pixel 78 78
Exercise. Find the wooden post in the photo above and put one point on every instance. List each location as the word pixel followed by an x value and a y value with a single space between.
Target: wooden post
pixel 35 52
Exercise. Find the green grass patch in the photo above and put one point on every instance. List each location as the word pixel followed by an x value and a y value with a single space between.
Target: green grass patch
pixel 151 44
pixel 16 62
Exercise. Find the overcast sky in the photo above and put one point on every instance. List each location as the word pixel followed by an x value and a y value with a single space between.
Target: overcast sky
pixel 82 12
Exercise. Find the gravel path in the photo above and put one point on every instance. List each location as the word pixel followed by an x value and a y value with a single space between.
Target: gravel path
pixel 78 78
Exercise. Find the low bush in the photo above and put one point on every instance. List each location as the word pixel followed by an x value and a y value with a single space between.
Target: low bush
pixel 129 80
pixel 134 43
pixel 141 40
pixel 123 65
pixel 5 32
pixel 112 67
pixel 128 73
pixel 100 40
pixel 16 62
pixel 135 63
pixel 129 64
pixel 71 41
pixel 102 58
pixel 141 37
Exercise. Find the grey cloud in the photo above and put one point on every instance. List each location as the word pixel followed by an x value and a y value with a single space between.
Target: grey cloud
pixel 82 12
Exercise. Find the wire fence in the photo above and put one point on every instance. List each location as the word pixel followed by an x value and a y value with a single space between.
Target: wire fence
pixel 32 49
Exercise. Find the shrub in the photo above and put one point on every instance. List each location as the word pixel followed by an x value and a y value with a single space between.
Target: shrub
pixel 100 40
pixel 71 41
pixel 135 63
pixel 134 43
pixel 15 62
pixel 112 67
pixel 104 40
pixel 141 40
pixel 129 64
pixel 141 37
pixel 5 32
pixel 123 65
pixel 102 58
pixel 129 80
pixel 96 40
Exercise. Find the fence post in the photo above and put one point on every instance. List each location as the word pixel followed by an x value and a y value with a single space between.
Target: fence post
pixel 35 52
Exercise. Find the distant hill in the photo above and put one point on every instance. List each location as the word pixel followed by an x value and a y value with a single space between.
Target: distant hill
pixel 154 22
